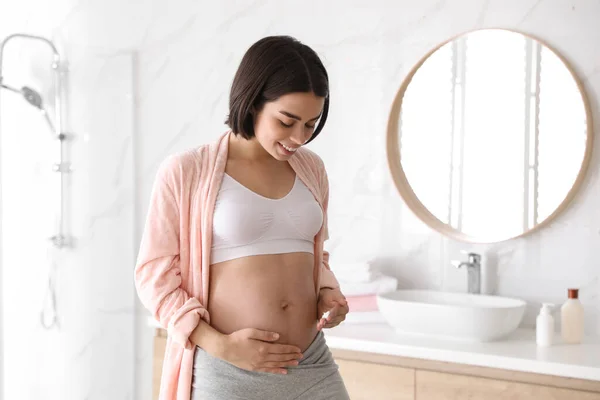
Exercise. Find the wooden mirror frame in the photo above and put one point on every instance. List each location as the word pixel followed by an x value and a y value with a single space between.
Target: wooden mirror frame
pixel 406 191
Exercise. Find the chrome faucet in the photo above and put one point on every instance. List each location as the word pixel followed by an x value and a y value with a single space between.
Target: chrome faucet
pixel 473 265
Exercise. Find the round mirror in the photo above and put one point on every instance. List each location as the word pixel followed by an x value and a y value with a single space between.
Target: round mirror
pixel 489 136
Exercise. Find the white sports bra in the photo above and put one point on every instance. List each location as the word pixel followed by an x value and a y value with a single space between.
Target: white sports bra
pixel 246 223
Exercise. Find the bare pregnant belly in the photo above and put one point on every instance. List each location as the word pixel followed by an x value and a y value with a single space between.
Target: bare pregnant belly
pixel 270 292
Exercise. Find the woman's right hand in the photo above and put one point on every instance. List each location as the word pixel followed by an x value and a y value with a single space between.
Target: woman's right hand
pixel 254 350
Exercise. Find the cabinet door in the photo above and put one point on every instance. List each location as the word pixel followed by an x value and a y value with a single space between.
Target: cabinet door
pixel 367 381
pixel 443 386
pixel 160 342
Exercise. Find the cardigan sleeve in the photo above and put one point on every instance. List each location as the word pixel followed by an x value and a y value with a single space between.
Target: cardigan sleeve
pixel 157 270
pixel 328 279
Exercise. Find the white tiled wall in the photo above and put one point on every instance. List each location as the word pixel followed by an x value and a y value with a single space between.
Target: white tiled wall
pixel 180 57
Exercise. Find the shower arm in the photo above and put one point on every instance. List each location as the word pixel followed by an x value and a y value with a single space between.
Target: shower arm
pixel 60 240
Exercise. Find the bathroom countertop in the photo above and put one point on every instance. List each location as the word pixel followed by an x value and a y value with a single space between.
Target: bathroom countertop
pixel 517 352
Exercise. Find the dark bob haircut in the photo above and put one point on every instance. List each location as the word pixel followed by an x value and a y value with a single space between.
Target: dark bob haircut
pixel 272 67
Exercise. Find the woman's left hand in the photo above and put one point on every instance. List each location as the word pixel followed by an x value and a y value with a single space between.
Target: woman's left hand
pixel 331 300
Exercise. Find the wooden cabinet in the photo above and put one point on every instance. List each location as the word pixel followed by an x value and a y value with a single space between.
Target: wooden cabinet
pixel 443 386
pixel 160 342
pixel 368 381
pixel 375 376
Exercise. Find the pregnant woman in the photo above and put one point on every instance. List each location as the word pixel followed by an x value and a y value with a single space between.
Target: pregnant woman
pixel 231 261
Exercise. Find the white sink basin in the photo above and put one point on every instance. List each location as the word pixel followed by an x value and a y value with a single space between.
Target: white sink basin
pixel 457 316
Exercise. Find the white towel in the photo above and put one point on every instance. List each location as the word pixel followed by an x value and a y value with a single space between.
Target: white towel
pixel 382 284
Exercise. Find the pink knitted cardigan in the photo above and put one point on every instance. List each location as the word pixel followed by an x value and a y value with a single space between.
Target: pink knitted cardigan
pixel 173 264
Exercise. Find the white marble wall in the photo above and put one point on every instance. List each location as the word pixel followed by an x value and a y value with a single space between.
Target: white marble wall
pixel 91 355
pixel 183 55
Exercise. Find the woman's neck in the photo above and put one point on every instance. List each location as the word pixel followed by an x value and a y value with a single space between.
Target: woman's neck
pixel 247 150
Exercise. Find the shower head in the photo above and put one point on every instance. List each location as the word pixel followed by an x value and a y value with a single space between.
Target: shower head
pixel 33 98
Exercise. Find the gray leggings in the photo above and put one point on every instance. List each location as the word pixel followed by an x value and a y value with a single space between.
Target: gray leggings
pixel 315 378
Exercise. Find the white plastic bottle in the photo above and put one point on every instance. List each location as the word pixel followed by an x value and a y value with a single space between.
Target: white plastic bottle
pixel 571 314
pixel 544 326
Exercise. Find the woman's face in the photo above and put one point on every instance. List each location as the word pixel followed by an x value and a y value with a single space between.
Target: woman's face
pixel 283 125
